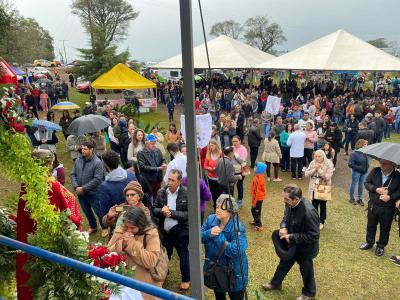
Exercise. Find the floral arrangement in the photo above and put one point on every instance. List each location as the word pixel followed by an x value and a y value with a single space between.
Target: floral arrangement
pixel 101 257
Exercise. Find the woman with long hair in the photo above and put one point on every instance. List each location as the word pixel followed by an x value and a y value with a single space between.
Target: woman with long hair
pixel 319 171
pixel 173 134
pixel 114 143
pixel 212 156
pixel 359 164
pixel 285 149
pixel 139 241
pixel 272 156
pixel 136 144
pixel 329 151
pixel 50 116
pixel 239 162
pixel 65 121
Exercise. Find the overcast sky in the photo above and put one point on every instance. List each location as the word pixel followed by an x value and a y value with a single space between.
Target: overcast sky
pixel 155 34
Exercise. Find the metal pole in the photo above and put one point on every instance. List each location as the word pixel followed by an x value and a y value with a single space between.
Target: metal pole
pixel 196 270
pixel 98 272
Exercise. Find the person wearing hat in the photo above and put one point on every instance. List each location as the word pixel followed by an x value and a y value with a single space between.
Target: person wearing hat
pixel 298 241
pixel 133 195
pixel 219 231
pixel 151 164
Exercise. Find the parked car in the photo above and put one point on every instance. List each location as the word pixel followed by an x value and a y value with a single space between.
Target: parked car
pixel 83 85
pixel 56 63
pixel 44 63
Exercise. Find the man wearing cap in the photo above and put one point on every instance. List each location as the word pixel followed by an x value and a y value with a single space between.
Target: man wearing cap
pixel 297 240
pixel 151 164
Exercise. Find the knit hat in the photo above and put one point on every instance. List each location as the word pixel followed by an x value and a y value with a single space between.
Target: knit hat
pixel 134 186
pixel 261 168
pixel 151 138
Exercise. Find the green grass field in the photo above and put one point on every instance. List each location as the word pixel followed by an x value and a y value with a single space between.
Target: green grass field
pixel 342 271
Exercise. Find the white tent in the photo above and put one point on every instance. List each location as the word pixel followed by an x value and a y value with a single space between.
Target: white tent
pixel 224 52
pixel 338 51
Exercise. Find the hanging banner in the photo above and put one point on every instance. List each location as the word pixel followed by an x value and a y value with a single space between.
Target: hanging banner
pixel 273 104
pixel 203 129
pixel 148 102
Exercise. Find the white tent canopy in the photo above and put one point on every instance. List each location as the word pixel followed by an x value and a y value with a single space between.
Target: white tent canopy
pixel 338 51
pixel 224 52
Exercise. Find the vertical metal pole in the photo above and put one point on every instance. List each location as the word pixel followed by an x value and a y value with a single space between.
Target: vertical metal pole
pixel 196 270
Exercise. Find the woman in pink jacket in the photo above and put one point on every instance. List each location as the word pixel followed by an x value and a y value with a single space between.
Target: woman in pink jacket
pixel 309 144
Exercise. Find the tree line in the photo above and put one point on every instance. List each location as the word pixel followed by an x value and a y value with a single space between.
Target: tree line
pixel 22 40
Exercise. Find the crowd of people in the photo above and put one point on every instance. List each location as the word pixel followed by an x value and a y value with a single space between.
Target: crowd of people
pixel 136 190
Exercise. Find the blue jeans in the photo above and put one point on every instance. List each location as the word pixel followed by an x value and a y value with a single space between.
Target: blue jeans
pixel 90 203
pixel 359 178
pixel 267 129
pixel 388 130
pixel 397 126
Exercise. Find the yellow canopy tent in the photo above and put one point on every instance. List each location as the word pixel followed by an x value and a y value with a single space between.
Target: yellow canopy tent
pixel 121 77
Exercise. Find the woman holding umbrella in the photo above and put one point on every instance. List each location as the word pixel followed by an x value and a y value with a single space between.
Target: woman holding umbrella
pixel 65 120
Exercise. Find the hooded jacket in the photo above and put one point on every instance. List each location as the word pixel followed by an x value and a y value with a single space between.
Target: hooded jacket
pixel 112 189
pixel 258 190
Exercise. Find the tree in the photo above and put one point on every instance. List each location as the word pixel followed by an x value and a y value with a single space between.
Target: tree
pixel 260 33
pixel 229 28
pixel 22 39
pixel 106 21
pixel 379 43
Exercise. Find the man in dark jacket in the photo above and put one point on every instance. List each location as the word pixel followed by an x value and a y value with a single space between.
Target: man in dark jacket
pixel 226 172
pixel 171 209
pixel 300 228
pixel 151 164
pixel 254 140
pixel 365 133
pixel 239 118
pixel 112 189
pixel 334 137
pixel 380 126
pixel 383 185
pixel 86 176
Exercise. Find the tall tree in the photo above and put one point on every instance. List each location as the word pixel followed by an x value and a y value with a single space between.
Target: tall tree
pixel 106 22
pixel 229 28
pixel 260 33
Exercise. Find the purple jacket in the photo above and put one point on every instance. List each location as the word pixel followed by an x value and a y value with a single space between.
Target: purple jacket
pixel 205 194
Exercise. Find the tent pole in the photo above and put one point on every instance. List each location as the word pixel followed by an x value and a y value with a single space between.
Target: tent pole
pixel 196 270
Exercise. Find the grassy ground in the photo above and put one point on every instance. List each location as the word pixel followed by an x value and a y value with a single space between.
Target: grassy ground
pixel 342 271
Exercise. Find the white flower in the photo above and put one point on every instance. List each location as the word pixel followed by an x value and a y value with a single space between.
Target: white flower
pixel 116 268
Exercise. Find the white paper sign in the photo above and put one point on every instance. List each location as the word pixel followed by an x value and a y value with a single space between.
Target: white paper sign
pixel 203 129
pixel 273 104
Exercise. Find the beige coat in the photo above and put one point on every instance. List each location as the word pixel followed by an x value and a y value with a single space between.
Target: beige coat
pixel 324 174
pixel 272 152
pixel 139 257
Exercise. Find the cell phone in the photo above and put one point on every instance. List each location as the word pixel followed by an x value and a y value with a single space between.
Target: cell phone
pixel 121 208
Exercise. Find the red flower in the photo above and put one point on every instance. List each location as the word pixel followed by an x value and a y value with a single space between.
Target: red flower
pixel 98 252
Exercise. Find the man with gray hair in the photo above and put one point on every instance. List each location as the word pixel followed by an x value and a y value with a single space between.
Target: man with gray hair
pixel 297 240
pixel 171 209
pixel 296 142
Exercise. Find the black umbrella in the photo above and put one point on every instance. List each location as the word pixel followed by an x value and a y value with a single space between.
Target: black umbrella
pixel 88 124
pixel 386 151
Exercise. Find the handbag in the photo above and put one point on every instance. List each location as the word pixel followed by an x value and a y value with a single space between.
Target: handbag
pixel 217 276
pixel 323 192
pixel 245 170
pixel 160 271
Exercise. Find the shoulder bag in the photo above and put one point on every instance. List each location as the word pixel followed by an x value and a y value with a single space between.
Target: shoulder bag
pixel 160 271
pixel 323 192
pixel 217 276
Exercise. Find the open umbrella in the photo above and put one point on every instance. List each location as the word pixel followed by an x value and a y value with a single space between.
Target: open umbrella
pixel 386 151
pixel 65 105
pixel 43 80
pixel 88 124
pixel 50 126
